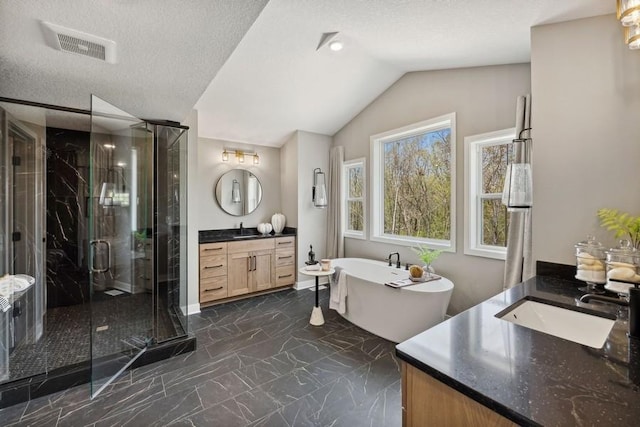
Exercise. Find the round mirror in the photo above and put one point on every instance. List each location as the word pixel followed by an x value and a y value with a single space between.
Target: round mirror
pixel 238 192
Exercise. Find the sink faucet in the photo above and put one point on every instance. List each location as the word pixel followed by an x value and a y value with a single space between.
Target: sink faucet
pixel 398 260
pixel 633 304
pixel 241 229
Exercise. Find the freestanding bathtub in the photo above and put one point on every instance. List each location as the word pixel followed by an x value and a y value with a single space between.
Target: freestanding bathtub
pixel 393 314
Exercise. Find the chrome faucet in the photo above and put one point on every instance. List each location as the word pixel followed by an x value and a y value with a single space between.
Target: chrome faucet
pixel 633 304
pixel 241 229
pixel 398 264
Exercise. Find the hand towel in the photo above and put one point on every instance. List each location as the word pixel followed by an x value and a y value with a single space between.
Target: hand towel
pixel 338 298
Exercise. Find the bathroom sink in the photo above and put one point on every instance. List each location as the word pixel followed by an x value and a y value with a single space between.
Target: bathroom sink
pixel 572 325
pixel 246 236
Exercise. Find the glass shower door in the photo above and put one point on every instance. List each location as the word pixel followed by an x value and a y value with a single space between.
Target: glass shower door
pixel 119 211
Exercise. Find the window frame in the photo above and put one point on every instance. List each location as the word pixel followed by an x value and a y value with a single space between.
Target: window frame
pixel 346 166
pixel 377 189
pixel 474 196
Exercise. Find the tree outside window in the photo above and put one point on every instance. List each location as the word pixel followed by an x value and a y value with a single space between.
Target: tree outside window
pixel 487 156
pixel 354 197
pixel 414 168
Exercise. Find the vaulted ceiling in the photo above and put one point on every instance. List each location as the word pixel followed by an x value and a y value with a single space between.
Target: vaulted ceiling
pixel 251 68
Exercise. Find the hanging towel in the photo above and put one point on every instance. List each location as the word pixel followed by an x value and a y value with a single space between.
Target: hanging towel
pixel 338 298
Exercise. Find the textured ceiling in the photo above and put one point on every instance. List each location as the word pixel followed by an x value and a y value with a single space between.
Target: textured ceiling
pixel 263 85
pixel 276 82
pixel 168 51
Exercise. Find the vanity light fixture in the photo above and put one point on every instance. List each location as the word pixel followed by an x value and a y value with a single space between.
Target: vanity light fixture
pixel 517 194
pixel 240 155
pixel 628 12
pixel 319 190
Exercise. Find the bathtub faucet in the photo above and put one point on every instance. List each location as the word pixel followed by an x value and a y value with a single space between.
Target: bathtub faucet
pixel 398 260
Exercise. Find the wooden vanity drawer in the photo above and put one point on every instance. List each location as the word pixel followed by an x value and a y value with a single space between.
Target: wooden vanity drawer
pixel 213 289
pixel 285 257
pixel 212 266
pixel 285 242
pixel 209 249
pixel 285 275
pixel 250 245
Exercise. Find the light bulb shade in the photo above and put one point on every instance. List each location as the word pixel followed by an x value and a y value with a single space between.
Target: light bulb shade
pixel 319 191
pixel 225 156
pixel 629 12
pixel 632 37
pixel 240 156
pixel 256 159
pixel 518 189
pixel 235 192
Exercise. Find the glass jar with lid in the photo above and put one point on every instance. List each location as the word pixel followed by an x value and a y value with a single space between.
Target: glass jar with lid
pixel 590 262
pixel 622 267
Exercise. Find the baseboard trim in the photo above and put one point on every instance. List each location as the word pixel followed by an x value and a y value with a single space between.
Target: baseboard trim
pixel 190 309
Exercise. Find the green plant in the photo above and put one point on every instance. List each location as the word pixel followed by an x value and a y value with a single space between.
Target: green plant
pixel 622 224
pixel 427 255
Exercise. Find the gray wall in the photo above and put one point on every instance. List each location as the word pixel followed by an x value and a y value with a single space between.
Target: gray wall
pixel 211 168
pixel 300 155
pixel 585 115
pixel 484 100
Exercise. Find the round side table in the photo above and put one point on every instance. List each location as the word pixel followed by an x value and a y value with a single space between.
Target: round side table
pixel 317 319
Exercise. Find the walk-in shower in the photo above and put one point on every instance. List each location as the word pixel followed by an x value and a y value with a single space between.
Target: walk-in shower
pixel 94 209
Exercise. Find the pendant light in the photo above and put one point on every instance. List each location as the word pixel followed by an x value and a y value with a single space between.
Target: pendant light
pixel 235 192
pixel 319 190
pixel 517 194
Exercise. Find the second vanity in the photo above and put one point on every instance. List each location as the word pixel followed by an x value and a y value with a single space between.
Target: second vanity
pixel 234 265
pixel 484 370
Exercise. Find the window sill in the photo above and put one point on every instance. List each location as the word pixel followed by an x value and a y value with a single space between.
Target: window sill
pixel 487 253
pixel 445 246
pixel 355 236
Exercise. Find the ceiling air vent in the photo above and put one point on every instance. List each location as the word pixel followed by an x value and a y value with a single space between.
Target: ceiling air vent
pixel 80 43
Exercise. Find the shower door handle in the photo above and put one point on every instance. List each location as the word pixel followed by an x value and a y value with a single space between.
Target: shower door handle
pixel 94 245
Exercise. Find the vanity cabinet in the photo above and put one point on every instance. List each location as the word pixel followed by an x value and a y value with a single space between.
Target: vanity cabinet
pixel 213 271
pixel 233 269
pixel 428 402
pixel 285 261
pixel 251 266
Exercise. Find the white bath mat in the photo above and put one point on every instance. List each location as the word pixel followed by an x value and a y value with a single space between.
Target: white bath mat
pixel 114 292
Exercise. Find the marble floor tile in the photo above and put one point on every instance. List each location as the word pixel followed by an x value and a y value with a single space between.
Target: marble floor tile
pixel 258 362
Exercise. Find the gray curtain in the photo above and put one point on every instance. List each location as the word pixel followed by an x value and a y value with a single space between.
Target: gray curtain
pixel 335 241
pixel 519 264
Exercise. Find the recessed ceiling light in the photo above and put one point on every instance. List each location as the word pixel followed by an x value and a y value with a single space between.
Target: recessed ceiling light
pixel 336 45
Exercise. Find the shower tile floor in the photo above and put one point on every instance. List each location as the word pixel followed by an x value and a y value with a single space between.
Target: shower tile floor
pixel 258 363
pixel 66 340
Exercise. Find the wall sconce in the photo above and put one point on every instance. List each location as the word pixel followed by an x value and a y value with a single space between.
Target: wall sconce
pixel 319 190
pixel 235 192
pixel 240 155
pixel 628 12
pixel 517 194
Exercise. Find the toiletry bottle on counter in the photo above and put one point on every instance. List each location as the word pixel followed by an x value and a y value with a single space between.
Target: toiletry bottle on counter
pixel 622 263
pixel 590 261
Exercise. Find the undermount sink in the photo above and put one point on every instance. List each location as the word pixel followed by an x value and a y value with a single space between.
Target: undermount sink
pixel 572 325
pixel 245 236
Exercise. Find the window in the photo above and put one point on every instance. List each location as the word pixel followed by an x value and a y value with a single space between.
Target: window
pixel 413 184
pixel 354 191
pixel 486 158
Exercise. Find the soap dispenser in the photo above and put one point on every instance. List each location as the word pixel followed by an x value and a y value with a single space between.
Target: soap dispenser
pixel 312 257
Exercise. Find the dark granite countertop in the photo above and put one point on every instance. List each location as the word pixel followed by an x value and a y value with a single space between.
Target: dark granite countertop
pixel 530 377
pixel 233 235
